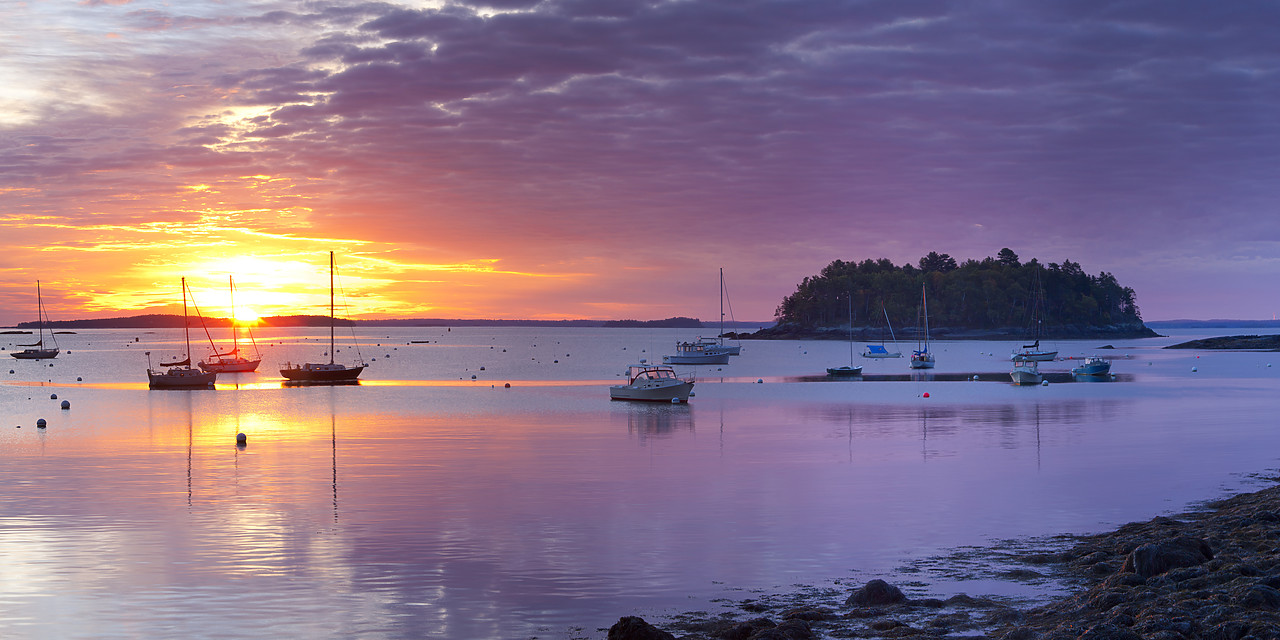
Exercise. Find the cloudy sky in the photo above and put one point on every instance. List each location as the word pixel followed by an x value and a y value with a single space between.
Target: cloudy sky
pixel 603 159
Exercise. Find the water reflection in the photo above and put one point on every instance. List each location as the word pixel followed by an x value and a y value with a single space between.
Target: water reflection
pixel 648 420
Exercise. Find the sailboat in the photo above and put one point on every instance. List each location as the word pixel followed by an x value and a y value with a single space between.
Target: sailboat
pixel 879 350
pixel 180 375
pixel 705 350
pixel 232 361
pixel 39 352
pixel 921 358
pixel 319 372
pixel 1033 351
pixel 849 370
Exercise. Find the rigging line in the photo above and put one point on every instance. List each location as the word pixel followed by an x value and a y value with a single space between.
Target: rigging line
pixel 199 315
pixel 346 312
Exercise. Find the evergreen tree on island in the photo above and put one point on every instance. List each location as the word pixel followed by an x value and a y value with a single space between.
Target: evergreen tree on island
pixel 993 296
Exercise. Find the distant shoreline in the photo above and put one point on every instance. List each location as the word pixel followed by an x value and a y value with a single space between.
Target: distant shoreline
pixel 170 321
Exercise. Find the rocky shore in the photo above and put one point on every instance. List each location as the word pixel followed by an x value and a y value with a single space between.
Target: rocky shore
pixel 1212 573
pixel 1254 342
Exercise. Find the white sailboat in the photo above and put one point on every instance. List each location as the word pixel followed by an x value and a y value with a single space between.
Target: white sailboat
pixel 921 358
pixel 179 374
pixel 232 361
pixel 320 372
pixel 705 350
pixel 879 350
pixel 39 352
pixel 1033 351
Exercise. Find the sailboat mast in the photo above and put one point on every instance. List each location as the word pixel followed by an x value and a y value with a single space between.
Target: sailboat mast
pixel 721 336
pixel 186 329
pixel 331 320
pixel 40 314
pixel 235 337
pixel 924 302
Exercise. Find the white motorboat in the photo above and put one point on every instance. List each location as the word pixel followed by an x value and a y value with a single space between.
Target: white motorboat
pixel 921 358
pixel 655 383
pixel 325 373
pixel 1093 366
pixel 1026 372
pixel 696 352
pixel 179 374
pixel 39 352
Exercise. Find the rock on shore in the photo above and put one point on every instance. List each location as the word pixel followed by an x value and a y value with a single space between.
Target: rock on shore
pixel 1209 574
pixel 1265 343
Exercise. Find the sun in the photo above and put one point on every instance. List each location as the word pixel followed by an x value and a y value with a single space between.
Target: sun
pixel 246 316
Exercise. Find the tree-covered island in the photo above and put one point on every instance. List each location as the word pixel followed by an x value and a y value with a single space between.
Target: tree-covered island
pixel 989 298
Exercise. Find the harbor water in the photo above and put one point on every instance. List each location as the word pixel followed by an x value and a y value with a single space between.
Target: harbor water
pixel 479 483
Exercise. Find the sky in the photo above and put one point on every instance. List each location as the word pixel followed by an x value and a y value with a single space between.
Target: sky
pixel 605 159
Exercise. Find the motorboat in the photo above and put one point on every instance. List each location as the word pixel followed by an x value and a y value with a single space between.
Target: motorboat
pixel 179 374
pixel 696 352
pixel 1093 366
pixel 655 383
pixel 1026 372
pixel 319 372
pixel 37 350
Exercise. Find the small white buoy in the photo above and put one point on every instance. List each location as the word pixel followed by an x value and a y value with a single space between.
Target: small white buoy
pixel 675 401
pixel 975 376
pixel 53 396
pixel 1194 369
pixel 241 439
pixel 40 424
pixel 66 404
pixel 1044 383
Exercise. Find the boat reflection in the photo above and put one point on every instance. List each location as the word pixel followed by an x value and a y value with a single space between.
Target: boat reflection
pixel 660 420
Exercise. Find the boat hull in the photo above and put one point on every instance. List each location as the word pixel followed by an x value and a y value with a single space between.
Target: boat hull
pixel 844 371
pixel 698 358
pixel 36 354
pixel 239 365
pixel 321 373
pixel 922 361
pixel 1093 367
pixel 675 391
pixel 1034 356
pixel 896 354
pixel 181 378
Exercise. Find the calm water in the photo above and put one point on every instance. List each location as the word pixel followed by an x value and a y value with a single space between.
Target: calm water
pixel 423 503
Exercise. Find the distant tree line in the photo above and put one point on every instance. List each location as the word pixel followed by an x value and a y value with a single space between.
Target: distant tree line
pixel 989 294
